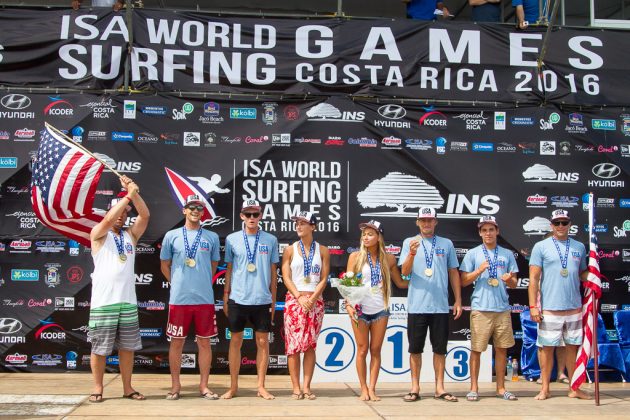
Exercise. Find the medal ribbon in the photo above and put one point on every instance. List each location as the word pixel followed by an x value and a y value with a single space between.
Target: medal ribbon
pixel 564 261
pixel 191 252
pixel 375 271
pixel 492 265
pixel 120 246
pixel 428 258
pixel 308 261
pixel 251 256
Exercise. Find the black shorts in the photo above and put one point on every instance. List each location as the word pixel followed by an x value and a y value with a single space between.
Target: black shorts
pixel 258 315
pixel 417 325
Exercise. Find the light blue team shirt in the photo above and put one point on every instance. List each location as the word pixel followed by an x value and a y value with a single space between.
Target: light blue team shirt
pixel 191 285
pixel 559 293
pixel 429 295
pixel 251 288
pixel 485 297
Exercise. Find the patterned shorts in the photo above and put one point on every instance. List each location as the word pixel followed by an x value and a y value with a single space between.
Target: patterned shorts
pixel 558 330
pixel 115 324
pixel 301 329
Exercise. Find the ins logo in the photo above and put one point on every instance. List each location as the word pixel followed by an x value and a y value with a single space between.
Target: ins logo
pixel 407 192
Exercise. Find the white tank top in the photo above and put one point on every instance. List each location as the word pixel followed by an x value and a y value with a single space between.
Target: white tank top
pixel 374 302
pixel 114 281
pixel 297 270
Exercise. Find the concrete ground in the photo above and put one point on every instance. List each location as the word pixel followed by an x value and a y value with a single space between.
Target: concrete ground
pixel 64 396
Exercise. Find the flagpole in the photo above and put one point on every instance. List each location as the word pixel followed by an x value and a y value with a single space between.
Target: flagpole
pixel 591 228
pixel 65 136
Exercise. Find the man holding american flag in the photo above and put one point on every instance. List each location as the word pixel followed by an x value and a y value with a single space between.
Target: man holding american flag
pixel 113 307
pixel 561 261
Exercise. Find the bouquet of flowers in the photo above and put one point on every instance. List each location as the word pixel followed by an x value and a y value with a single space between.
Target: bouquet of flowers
pixel 350 286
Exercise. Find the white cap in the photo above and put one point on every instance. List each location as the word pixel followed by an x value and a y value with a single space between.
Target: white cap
pixel 115 201
pixel 306 216
pixel 487 219
pixel 193 198
pixel 250 204
pixel 426 213
pixel 559 214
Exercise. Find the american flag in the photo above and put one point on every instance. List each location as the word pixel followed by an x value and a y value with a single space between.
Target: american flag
pixel 592 293
pixel 63 187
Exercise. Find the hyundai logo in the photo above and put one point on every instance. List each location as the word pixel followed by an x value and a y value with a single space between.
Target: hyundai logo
pixel 15 101
pixel 9 326
pixel 606 170
pixel 392 112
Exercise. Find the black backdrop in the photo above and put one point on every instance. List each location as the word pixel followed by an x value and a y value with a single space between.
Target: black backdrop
pixel 347 158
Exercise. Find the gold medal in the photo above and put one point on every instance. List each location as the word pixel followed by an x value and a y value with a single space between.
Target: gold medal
pixel 251 267
pixel 122 258
pixel 564 272
pixel 428 272
pixel 374 290
pixel 493 282
pixel 190 262
pixel 307 279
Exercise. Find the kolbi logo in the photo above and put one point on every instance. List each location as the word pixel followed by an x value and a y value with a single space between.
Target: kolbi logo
pixel 243 113
pixel 602 124
pixel 7 162
pixel 24 275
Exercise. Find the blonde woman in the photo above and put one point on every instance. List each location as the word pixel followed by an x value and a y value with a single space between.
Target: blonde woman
pixel 378 269
pixel 305 267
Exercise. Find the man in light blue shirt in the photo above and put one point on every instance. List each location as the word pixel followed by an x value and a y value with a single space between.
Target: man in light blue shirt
pixel 492 269
pixel 189 259
pixel 561 262
pixel 429 263
pixel 249 294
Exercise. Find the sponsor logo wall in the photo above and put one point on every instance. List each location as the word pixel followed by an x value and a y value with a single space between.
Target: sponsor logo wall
pixel 387 162
pixel 345 160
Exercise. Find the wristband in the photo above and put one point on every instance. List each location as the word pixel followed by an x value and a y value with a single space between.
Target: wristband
pixel 413 254
pixel 533 307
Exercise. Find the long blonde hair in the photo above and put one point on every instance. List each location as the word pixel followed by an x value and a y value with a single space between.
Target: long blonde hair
pixel 382 258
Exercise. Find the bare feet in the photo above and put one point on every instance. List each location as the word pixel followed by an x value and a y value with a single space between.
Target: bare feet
pixel 373 396
pixel 542 395
pixel 263 393
pixel 231 393
pixel 580 394
pixel 365 396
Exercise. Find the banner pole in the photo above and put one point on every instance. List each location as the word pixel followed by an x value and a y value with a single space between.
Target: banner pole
pixel 591 228
pixel 65 136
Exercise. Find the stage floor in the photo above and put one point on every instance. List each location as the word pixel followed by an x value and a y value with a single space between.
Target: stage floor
pixel 64 396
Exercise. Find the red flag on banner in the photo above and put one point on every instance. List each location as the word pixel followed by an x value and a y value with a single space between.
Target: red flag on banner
pixel 63 187
pixel 182 187
pixel 592 292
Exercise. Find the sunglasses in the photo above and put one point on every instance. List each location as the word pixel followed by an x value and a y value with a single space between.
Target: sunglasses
pixel 250 215
pixel 198 208
pixel 563 223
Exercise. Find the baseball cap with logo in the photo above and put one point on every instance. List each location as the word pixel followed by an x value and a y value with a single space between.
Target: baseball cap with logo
pixel 250 204
pixel 487 219
pixel 193 199
pixel 306 216
pixel 426 213
pixel 559 214
pixel 376 225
